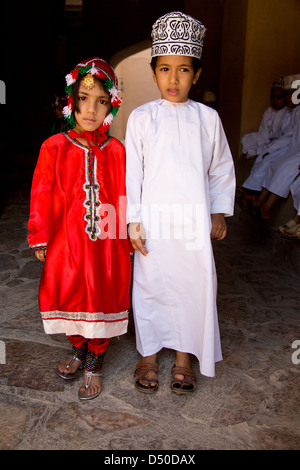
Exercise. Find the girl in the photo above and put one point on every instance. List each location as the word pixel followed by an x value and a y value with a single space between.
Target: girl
pixel 77 225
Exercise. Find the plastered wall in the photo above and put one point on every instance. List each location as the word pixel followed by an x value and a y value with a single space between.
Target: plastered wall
pixel 261 42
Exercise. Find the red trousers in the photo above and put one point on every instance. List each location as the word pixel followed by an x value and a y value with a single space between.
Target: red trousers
pixel 95 345
pixel 90 351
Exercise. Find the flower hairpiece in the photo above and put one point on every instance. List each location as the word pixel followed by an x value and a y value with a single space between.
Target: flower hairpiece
pixel 72 77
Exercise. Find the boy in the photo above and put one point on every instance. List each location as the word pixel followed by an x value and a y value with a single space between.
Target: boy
pixel 280 174
pixel 180 184
pixel 278 147
pixel 271 125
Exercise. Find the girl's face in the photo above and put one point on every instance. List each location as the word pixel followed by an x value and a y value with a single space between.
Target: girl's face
pixel 94 105
pixel 174 75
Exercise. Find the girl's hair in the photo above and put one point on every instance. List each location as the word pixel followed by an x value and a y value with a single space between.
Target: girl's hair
pixel 76 91
pixel 196 63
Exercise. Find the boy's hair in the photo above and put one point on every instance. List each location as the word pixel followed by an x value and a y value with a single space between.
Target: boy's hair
pixel 196 63
pixel 284 92
pixel 76 91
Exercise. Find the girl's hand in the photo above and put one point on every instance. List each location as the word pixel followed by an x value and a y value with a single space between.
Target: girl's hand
pixel 41 255
pixel 219 227
pixel 137 237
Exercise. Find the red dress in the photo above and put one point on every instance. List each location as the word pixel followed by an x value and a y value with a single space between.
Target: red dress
pixel 78 210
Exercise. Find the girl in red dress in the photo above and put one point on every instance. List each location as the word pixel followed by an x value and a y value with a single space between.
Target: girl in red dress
pixel 77 225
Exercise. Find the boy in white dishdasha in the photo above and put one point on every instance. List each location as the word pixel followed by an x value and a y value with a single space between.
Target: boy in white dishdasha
pixel 180 186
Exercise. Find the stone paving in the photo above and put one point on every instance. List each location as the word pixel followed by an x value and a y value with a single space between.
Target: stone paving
pixel 252 403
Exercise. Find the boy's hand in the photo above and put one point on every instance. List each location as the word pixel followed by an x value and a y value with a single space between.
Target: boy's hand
pixel 41 255
pixel 137 237
pixel 219 227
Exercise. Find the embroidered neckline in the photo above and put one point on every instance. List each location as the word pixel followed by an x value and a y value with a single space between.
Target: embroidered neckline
pixel 163 101
pixel 84 147
pixel 92 202
pixel 91 188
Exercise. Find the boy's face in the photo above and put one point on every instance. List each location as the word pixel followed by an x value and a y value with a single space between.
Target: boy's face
pixel 278 98
pixel 94 105
pixel 174 75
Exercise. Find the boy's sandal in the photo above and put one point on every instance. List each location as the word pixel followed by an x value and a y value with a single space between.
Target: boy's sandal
pixel 185 385
pixel 83 395
pixel 245 204
pixel 256 213
pixel 140 374
pixel 69 376
pixel 287 226
pixel 292 232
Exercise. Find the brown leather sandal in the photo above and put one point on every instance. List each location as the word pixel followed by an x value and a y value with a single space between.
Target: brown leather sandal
pixel 185 385
pixel 140 373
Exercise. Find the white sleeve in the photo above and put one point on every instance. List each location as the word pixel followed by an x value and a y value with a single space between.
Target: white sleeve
pixel 264 128
pixel 254 140
pixel 134 166
pixel 221 174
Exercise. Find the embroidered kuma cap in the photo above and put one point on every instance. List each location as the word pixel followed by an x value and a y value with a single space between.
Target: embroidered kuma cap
pixel 177 34
pixel 278 83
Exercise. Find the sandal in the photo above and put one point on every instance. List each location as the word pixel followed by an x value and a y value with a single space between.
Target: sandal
pixel 69 376
pixel 293 232
pixel 185 385
pixel 288 225
pixel 82 395
pixel 245 203
pixel 140 373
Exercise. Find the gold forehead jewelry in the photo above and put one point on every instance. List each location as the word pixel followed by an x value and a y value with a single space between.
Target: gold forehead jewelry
pixel 88 81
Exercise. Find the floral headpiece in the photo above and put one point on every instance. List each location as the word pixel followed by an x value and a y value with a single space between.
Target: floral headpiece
pixel 97 68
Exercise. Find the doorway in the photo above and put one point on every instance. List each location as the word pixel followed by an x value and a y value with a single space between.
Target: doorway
pixel 132 67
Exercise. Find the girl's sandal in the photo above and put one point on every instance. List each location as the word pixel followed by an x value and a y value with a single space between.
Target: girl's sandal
pixel 185 385
pixel 83 395
pixel 69 376
pixel 140 374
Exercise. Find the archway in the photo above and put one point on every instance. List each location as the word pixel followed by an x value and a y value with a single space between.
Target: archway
pixel 135 83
